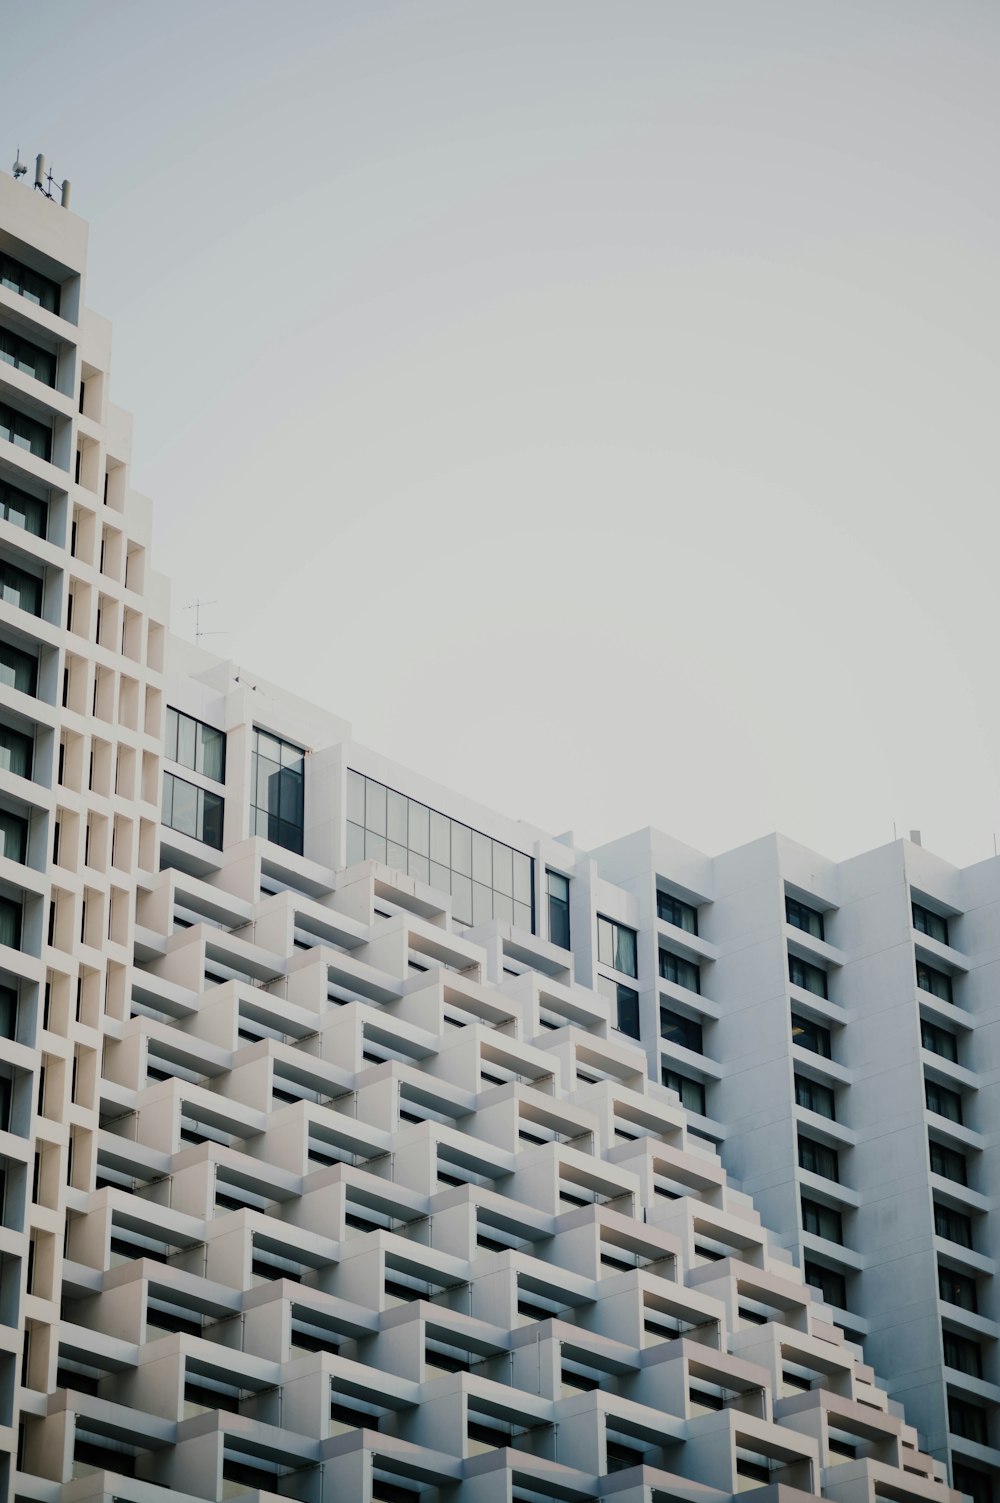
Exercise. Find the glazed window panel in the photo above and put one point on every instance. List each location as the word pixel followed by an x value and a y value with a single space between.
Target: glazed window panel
pixel 193 744
pixel 277 779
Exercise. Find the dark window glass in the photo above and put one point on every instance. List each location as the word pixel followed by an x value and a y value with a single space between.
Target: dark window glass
pixel 15 752
pixel 691 1092
pixel 968 1479
pixel 931 924
pixel 675 1029
pixel 196 745
pixel 558 892
pixel 822 1221
pixel 810 1035
pixel 192 811
pixel 27 357
pixel 946 1103
pixel 675 911
pixel 8 1021
pixel 31 285
pixel 967 1420
pixel 815 1097
pixel 812 978
pixel 22 510
pixel 18 670
pixel 939 1040
pixel 958 1289
pixel 818 1158
pixel 10 923
pixel 963 1354
pixel 616 946
pixel 948 1162
pixel 682 972
pixel 935 982
pixel 277 773
pixel 26 432
pixel 18 587
pixel 831 1284
pixel 800 916
pixel 13 836
pixel 627 1002
pixel 952 1225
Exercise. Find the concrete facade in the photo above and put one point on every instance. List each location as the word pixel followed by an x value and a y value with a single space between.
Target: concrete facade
pixel 359 1143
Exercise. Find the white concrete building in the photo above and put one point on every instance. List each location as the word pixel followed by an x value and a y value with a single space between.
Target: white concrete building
pixel 358 1143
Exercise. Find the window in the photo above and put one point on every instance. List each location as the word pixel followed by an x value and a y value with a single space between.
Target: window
pixel 10 923
pixel 931 924
pixel 963 1354
pixel 967 1420
pixel 815 1097
pixel 18 587
pixel 800 916
pixel 939 1041
pixel 22 510
pixel 958 1289
pixel 277 775
pixel 946 1103
pixel 818 1158
pixel 627 1006
pixel 691 1092
pixel 822 1221
pixel 13 836
pixel 15 752
pixel 26 432
pixel 557 887
pixel 486 878
pixel 682 972
pixel 949 1163
pixel 196 745
pixel 935 982
pixel 27 357
pixel 8 1024
pixel 812 978
pixel 831 1284
pixel 953 1226
pixel 969 1479
pixel 192 811
pixel 675 911
pixel 30 284
pixel 676 1029
pixel 616 946
pixel 812 1036
pixel 18 670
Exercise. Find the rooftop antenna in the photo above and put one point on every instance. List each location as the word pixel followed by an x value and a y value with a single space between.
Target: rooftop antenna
pixel 44 181
pixel 19 169
pixel 196 606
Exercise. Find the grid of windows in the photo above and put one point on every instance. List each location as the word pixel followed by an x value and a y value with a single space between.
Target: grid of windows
pixel 691 1092
pixel 486 878
pixel 192 811
pixel 682 972
pixel 18 670
pixel 675 911
pixel 818 1158
pixel 931 924
pixel 822 1221
pixel 676 1029
pixel 801 916
pixel 18 587
pixel 277 777
pixel 22 510
pixel 25 356
pixel 933 981
pixel 815 1097
pixel 616 946
pixel 193 744
pixel 26 432
pixel 812 1036
pixel 812 978
pixel 32 285
pixel 557 888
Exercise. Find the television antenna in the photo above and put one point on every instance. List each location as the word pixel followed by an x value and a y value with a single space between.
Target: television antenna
pixel 199 632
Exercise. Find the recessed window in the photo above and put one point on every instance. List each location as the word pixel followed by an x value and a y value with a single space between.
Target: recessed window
pixel 676 1029
pixel 934 981
pixel 944 1102
pixel 26 356
pixel 831 1284
pixel 193 744
pixel 801 916
pixel 948 1162
pixel 675 911
pixel 25 432
pixel 931 924
pixel 818 1158
pixel 626 1002
pixel 963 1354
pixel 691 1092
pixel 18 670
pixel 19 588
pixel 22 510
pixel 15 752
pixel 811 1035
pixel 967 1420
pixel 958 1289
pixel 822 1221
pixel 557 889
pixel 192 811
pixel 616 946
pixel 277 776
pixel 939 1040
pixel 13 836
pixel 680 971
pixel 815 1097
pixel 812 978
pixel 10 923
pixel 32 285
pixel 953 1226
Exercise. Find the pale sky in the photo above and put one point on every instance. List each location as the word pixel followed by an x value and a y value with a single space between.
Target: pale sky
pixel 596 403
